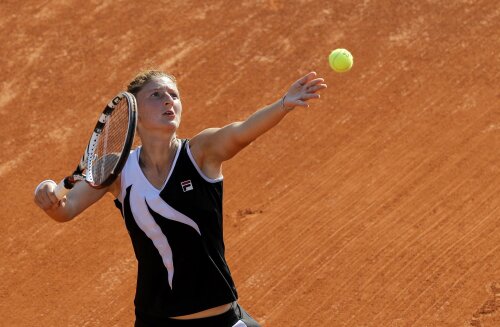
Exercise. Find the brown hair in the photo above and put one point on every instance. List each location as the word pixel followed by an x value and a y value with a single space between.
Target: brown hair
pixel 144 77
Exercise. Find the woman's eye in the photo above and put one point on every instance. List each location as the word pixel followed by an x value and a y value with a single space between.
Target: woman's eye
pixel 155 94
pixel 174 96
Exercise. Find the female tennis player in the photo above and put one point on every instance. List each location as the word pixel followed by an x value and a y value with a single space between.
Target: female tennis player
pixel 170 196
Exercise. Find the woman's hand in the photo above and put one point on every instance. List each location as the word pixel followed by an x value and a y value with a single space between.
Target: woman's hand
pixel 45 197
pixel 79 198
pixel 303 90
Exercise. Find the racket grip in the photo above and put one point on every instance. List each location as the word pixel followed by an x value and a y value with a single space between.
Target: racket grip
pixel 60 191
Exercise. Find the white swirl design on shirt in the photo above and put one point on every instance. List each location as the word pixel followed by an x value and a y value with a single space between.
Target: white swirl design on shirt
pixel 140 199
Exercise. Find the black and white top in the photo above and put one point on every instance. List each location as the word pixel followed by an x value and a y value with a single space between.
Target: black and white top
pixel 177 237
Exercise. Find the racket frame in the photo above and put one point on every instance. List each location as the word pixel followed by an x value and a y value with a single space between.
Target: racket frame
pixel 82 173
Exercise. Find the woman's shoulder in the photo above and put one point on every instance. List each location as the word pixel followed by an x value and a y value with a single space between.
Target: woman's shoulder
pixel 199 148
pixel 202 139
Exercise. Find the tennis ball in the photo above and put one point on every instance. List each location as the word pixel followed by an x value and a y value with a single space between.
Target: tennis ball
pixel 340 60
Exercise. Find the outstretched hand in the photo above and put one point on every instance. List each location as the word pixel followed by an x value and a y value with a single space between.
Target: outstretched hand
pixel 303 90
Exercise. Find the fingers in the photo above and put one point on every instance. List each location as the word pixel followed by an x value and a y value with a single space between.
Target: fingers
pixel 310 84
pixel 306 78
pixel 46 202
pixel 316 88
pixel 312 87
pixel 300 103
pixel 309 80
pixel 311 96
pixel 45 197
pixel 303 90
pixel 316 82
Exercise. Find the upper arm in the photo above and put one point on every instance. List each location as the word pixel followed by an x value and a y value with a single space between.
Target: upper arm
pixel 213 146
pixel 218 144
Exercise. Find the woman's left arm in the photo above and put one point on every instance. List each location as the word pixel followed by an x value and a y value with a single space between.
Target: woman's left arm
pixel 215 145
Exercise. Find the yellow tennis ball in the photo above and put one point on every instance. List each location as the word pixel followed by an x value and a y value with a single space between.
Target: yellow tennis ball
pixel 340 60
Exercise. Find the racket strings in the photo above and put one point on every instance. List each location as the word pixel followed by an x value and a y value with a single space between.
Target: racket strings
pixel 110 144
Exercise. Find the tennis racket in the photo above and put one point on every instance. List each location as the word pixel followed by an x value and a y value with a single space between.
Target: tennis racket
pixel 108 148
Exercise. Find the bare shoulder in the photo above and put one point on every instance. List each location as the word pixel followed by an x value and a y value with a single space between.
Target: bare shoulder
pixel 200 143
pixel 202 148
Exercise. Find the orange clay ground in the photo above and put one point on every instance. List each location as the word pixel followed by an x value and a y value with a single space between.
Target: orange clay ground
pixel 377 206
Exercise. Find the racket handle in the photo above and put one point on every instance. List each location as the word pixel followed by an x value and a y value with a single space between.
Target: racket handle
pixel 60 191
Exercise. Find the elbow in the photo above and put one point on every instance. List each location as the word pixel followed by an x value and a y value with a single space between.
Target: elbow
pixel 243 142
pixel 60 216
pixel 61 219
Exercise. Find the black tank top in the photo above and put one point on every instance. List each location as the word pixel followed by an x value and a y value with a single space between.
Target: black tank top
pixel 177 237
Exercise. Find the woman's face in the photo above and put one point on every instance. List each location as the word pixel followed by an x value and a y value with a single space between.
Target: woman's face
pixel 159 105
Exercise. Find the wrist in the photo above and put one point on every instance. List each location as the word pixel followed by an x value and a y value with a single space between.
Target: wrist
pixel 285 107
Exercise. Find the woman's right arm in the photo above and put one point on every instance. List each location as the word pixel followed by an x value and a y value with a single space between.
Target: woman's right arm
pixel 79 198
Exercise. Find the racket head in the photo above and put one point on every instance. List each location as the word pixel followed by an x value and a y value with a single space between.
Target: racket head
pixel 111 141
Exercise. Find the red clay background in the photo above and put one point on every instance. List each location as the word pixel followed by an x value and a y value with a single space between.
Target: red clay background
pixel 378 206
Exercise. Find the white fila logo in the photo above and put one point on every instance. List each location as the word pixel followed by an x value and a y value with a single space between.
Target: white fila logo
pixel 187 185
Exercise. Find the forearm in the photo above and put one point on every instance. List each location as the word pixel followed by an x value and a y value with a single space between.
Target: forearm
pixel 263 120
pixel 260 122
pixel 80 197
pixel 220 144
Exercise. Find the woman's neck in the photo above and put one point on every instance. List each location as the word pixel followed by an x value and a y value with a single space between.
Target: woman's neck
pixel 158 154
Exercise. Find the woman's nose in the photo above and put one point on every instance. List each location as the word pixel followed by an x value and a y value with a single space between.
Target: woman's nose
pixel 168 99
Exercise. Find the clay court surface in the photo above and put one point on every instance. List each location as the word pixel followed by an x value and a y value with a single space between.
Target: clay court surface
pixel 377 206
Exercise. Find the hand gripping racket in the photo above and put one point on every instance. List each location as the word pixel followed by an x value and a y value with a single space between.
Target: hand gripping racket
pixel 108 148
